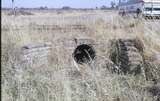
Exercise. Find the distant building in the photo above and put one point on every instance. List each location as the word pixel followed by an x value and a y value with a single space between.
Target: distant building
pixel 143 7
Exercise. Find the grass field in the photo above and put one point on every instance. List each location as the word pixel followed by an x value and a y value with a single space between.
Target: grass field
pixel 59 80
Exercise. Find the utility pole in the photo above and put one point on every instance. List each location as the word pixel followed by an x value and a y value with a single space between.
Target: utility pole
pixel 152 5
pixel 13 7
pixel 119 2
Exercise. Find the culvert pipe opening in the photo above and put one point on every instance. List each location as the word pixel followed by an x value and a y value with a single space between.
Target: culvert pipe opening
pixel 84 54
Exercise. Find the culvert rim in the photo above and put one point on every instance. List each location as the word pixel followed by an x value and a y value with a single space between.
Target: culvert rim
pixel 84 53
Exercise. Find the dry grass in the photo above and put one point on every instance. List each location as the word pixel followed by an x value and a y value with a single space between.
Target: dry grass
pixel 60 80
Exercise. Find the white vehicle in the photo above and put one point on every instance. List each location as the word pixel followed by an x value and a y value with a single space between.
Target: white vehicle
pixel 147 8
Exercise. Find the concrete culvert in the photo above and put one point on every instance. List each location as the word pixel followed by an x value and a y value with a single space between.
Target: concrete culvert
pixel 84 54
pixel 127 54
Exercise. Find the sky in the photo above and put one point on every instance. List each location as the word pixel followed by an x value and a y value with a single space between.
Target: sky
pixel 57 3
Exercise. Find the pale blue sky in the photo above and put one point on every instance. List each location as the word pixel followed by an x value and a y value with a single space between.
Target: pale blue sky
pixel 57 3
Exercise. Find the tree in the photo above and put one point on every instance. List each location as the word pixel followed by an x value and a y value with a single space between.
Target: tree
pixel 113 4
pixel 43 8
pixel 103 7
pixel 66 7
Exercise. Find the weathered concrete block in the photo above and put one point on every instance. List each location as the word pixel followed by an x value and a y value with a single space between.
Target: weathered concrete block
pixel 126 53
pixel 36 54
